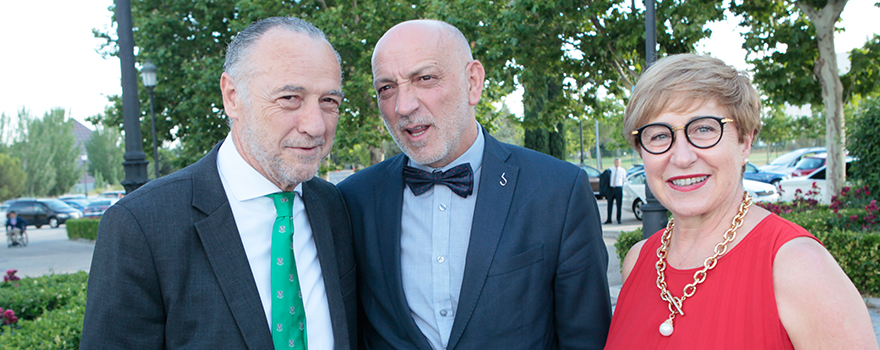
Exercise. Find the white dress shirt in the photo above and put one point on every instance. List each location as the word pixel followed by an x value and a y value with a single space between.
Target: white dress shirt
pixel 434 236
pixel 254 215
pixel 618 176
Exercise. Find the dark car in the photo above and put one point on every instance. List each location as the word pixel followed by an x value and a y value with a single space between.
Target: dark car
pixel 44 211
pixel 594 178
pixel 755 174
pixel 635 168
pixel 97 208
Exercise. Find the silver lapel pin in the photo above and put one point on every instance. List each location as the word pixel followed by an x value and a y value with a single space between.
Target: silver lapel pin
pixel 503 181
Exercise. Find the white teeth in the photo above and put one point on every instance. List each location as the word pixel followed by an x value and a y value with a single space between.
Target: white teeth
pixel 418 131
pixel 689 181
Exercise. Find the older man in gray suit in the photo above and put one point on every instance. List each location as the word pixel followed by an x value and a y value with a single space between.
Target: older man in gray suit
pixel 192 260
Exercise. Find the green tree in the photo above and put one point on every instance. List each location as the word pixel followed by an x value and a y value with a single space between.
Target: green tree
pixel 12 178
pixel 791 45
pixel 864 144
pixel 776 129
pixel 48 154
pixel 105 152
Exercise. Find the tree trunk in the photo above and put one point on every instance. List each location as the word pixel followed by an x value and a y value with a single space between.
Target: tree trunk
pixel 832 90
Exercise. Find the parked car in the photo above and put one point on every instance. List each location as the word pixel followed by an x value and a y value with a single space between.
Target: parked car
pixel 755 174
pixel 805 183
pixel 634 168
pixel 785 163
pixel 113 194
pixel 634 192
pixel 808 165
pixel 78 203
pixel 594 178
pixel 97 208
pixel 44 211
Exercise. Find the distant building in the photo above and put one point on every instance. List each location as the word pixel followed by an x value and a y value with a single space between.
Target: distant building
pixel 82 134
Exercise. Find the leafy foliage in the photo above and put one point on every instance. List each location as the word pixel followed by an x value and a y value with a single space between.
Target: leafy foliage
pixel 625 241
pixel 48 154
pixel 864 143
pixel 579 49
pixel 51 309
pixel 86 228
pixel 105 155
pixel 12 177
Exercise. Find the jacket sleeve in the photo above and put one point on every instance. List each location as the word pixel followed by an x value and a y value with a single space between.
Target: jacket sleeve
pixel 582 300
pixel 124 307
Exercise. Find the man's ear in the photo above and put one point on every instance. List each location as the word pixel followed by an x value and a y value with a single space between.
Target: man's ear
pixel 231 100
pixel 475 75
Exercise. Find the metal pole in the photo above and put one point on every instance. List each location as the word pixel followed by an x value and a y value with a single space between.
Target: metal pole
pixel 135 163
pixel 153 125
pixel 581 125
pixel 598 153
pixel 654 215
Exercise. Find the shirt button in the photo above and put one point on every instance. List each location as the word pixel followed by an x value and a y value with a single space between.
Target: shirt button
pixel 442 207
pixel 443 312
pixel 441 259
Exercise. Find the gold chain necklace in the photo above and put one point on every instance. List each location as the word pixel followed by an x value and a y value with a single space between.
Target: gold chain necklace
pixel 675 304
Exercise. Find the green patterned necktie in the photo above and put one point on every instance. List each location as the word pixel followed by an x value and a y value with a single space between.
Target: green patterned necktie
pixel 288 313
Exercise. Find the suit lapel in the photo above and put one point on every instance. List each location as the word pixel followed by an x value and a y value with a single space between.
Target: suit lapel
pixel 388 193
pixel 319 220
pixel 497 183
pixel 222 243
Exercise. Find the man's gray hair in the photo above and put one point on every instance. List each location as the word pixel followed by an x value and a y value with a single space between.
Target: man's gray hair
pixel 237 65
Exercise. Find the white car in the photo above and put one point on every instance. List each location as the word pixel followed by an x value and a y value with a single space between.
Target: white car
pixel 634 192
pixel 786 163
pixel 788 187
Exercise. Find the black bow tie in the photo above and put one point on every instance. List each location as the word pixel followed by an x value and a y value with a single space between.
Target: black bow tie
pixel 459 179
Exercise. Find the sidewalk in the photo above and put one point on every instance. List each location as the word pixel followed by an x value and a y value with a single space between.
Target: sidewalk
pixel 629 223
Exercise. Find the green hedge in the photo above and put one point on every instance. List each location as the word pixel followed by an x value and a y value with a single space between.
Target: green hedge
pixel 50 311
pixel 82 228
pixel 626 240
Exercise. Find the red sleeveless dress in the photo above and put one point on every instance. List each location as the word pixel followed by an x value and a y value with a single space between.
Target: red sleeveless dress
pixel 735 308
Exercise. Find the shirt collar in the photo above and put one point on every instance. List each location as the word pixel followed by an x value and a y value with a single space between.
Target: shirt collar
pixel 244 182
pixel 473 155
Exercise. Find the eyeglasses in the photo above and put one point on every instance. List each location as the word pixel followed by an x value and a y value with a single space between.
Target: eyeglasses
pixel 702 132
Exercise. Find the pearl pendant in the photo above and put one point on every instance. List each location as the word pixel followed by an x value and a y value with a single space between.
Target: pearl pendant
pixel 666 328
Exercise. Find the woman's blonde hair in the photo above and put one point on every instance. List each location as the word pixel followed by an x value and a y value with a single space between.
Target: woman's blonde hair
pixel 681 82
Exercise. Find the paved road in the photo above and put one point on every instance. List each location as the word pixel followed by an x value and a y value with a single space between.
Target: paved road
pixel 50 251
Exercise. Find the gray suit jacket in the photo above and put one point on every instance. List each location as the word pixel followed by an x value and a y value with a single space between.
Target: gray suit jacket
pixel 170 272
pixel 535 274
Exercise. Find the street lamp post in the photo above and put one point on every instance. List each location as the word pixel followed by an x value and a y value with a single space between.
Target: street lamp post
pixel 149 75
pixel 654 214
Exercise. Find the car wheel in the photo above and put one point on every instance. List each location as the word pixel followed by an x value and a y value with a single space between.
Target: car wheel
pixel 637 209
pixel 38 226
pixel 53 222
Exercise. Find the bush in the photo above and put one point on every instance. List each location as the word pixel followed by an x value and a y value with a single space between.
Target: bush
pixel 625 241
pixel 858 254
pixel 50 309
pixel 863 142
pixel 30 297
pixel 83 228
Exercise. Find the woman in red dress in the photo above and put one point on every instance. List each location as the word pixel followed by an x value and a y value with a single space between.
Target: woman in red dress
pixel 724 274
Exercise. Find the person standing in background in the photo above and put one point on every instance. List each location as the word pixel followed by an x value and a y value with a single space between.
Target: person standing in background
pixel 615 193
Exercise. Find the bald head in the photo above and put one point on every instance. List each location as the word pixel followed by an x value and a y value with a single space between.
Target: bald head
pixel 425 33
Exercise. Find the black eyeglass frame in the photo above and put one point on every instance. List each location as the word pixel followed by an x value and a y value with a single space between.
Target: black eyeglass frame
pixel 721 121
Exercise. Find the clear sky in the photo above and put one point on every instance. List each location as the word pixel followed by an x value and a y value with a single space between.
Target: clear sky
pixel 49 56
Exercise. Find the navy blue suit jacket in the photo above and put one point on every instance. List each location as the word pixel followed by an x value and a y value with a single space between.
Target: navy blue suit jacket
pixel 535 274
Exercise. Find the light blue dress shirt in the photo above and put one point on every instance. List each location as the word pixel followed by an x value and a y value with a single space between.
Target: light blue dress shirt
pixel 435 232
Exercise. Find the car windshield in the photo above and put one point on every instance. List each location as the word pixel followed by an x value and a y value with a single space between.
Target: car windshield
pixel 100 204
pixel 810 163
pixel 55 204
pixel 784 159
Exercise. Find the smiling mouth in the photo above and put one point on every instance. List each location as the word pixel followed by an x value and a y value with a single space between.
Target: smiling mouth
pixel 689 181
